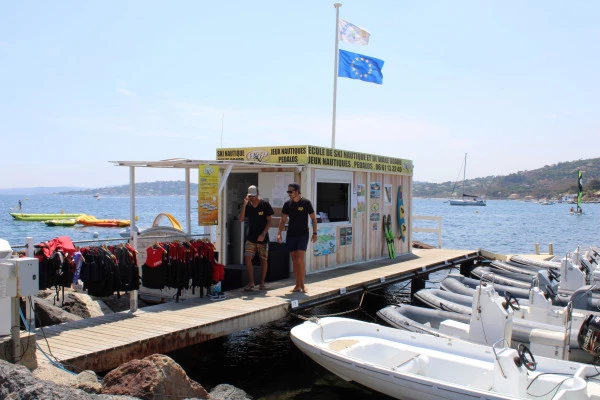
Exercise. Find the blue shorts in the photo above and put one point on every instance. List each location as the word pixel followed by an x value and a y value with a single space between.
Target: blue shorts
pixel 296 243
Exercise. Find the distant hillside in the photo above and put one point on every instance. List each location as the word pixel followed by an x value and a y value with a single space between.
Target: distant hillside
pixel 549 181
pixel 158 188
pixel 37 190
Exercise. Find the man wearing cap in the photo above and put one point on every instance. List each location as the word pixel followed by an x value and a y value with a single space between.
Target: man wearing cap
pixel 258 212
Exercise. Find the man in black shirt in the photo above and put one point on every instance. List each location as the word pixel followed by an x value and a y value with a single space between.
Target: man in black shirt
pixel 258 212
pixel 298 210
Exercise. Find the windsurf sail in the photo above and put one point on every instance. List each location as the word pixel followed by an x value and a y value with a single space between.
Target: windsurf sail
pixel 579 189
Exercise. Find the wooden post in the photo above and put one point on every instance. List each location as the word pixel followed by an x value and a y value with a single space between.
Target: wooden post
pixel 537 248
pixel 467 267
pixel 550 249
pixel 417 283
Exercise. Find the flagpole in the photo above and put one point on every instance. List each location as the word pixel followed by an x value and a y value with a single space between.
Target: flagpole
pixel 335 72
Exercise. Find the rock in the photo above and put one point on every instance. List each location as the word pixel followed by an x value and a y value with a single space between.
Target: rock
pixel 88 382
pixel 18 383
pixel 225 391
pixel 75 302
pixel 155 376
pixel 48 314
pixel 420 245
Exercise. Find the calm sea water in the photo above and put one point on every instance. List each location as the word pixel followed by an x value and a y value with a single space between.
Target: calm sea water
pixel 263 361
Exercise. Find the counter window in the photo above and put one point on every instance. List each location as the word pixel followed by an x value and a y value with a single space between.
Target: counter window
pixel 333 202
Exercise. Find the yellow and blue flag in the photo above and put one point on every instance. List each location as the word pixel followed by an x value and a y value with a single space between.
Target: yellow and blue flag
pixel 357 66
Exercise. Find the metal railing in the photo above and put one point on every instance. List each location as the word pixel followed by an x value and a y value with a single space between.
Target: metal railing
pixel 437 230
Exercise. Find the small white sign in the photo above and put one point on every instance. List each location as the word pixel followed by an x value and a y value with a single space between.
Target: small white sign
pixel 382 279
pixel 294 303
pixel 343 290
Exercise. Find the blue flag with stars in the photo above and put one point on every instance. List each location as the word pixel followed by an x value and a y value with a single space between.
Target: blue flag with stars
pixel 357 66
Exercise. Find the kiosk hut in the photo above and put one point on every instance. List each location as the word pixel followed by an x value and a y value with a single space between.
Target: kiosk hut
pixel 350 191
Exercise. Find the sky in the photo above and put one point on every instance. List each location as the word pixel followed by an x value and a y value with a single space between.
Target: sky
pixel 515 84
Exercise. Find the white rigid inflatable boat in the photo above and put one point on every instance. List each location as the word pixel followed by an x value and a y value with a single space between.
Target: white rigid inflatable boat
pixel 548 330
pixel 413 366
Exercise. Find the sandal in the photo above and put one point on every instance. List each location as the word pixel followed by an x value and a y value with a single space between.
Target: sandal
pixel 249 288
pixel 262 287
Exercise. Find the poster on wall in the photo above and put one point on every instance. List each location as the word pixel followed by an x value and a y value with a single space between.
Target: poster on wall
pixel 387 194
pixel 345 236
pixel 361 195
pixel 326 241
pixel 208 195
pixel 374 217
pixel 375 190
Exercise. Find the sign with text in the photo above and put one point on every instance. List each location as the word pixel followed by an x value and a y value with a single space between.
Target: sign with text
pixel 318 157
pixel 208 195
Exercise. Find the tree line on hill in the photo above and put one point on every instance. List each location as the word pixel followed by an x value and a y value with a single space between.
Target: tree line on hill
pixel 550 181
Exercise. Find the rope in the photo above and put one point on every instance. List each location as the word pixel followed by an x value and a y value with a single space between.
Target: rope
pixel 315 318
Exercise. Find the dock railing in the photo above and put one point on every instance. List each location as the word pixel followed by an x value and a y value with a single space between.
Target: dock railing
pixel 437 230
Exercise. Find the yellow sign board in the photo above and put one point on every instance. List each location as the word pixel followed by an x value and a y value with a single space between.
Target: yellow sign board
pixel 208 195
pixel 318 157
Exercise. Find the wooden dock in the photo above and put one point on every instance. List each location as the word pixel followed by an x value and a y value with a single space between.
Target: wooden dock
pixel 105 342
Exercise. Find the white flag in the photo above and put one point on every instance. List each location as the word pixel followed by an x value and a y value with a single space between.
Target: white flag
pixel 351 33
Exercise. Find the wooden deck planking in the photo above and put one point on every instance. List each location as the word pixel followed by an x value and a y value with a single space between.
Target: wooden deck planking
pixel 105 342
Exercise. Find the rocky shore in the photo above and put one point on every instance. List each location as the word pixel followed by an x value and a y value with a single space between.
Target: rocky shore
pixel 154 377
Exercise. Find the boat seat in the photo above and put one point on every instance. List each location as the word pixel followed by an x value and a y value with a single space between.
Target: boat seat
pixel 342 344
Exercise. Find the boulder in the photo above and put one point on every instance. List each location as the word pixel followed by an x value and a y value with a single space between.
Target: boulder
pixel 18 383
pixel 420 245
pixel 225 391
pixel 156 376
pixel 76 303
pixel 48 314
pixel 88 382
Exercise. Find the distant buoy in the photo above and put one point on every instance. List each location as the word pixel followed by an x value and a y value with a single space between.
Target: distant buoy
pixel 95 235
pixel 476 211
pixel 136 218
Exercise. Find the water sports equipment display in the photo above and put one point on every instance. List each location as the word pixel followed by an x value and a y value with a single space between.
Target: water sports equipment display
pixel 90 220
pixel 61 222
pixel 400 215
pixel 171 219
pixel 389 235
pixel 43 217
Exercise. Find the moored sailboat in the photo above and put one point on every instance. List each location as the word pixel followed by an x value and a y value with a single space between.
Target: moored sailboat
pixel 466 199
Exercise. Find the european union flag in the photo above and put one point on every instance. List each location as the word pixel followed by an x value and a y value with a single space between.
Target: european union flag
pixel 357 66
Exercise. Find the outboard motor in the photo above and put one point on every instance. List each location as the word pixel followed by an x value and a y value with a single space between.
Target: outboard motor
pixel 589 335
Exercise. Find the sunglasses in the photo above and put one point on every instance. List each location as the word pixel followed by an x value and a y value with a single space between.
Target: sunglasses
pixel 290 191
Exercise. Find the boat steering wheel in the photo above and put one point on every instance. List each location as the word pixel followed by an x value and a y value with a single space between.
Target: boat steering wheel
pixel 526 357
pixel 511 301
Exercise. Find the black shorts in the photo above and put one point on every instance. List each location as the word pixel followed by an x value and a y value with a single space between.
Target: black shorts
pixel 296 243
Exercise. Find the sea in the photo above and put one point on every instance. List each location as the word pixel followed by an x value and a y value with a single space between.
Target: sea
pixel 263 361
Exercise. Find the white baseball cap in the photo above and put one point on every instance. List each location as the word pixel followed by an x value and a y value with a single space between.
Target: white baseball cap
pixel 252 191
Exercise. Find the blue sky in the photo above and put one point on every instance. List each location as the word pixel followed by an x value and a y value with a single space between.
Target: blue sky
pixel 514 84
